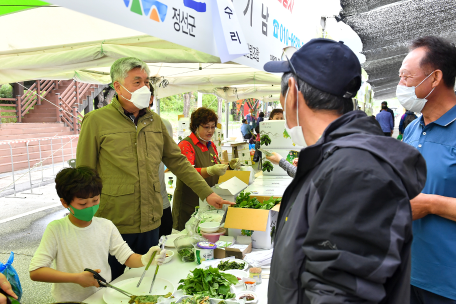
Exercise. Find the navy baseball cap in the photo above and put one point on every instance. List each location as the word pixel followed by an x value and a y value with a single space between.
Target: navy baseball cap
pixel 325 64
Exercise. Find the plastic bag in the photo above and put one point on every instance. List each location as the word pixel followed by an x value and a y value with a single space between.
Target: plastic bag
pixel 399 137
pixel 11 275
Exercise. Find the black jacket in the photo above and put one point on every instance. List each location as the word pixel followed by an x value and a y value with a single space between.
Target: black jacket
pixel 344 229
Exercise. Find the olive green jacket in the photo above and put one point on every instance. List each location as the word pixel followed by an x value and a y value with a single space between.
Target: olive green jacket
pixel 127 158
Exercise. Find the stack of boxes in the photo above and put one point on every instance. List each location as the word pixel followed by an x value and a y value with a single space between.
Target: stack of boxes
pixel 281 143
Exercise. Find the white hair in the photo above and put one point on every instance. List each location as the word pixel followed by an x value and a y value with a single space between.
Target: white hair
pixel 121 67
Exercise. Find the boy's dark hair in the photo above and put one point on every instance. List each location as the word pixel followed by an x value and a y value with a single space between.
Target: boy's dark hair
pixel 244 120
pixel 80 182
pixel 274 112
pixel 440 55
pixel 261 114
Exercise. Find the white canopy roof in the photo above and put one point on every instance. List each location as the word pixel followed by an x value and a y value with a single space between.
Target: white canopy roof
pixel 63 44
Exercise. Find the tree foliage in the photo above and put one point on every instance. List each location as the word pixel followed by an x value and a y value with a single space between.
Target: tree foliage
pixel 6 91
pixel 175 103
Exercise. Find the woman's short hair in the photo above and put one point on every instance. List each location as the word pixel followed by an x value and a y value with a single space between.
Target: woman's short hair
pixel 274 112
pixel 202 116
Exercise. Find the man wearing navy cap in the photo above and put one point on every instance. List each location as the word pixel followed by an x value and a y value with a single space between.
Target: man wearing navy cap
pixel 343 234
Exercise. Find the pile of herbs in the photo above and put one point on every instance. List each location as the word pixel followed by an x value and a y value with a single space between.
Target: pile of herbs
pixel 265 140
pixel 267 166
pixel 227 265
pixel 150 299
pixel 209 282
pixel 186 254
pixel 244 200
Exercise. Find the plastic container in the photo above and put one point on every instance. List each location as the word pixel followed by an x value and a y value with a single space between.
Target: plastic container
pixel 249 284
pixel 255 273
pixel 185 245
pixel 209 227
pixel 215 236
pixel 204 251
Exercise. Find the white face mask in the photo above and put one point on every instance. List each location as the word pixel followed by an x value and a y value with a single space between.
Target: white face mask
pixel 407 97
pixel 296 132
pixel 140 98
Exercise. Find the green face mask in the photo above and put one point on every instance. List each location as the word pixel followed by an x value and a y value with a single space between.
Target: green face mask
pixel 85 214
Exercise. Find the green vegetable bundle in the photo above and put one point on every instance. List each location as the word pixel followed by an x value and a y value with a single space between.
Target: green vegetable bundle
pixel 208 282
pixel 186 254
pixel 267 166
pixel 227 265
pixel 244 200
pixel 265 140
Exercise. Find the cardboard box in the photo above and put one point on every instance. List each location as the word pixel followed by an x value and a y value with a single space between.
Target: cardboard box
pixel 221 253
pixel 279 138
pixel 262 222
pixel 242 175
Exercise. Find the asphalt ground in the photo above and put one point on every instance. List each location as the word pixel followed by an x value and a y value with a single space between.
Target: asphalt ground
pixel 22 224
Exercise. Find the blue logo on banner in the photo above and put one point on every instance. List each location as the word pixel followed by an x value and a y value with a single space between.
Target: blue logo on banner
pixel 197 6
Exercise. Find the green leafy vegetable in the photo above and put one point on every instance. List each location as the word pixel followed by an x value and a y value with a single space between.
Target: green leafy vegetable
pixel 265 140
pixel 208 282
pixel 227 265
pixel 186 254
pixel 245 232
pixel 147 299
pixel 244 200
pixel 267 166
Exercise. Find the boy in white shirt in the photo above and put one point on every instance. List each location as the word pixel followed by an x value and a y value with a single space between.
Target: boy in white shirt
pixel 80 240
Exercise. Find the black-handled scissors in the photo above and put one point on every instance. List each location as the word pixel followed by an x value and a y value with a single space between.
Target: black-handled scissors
pixel 102 282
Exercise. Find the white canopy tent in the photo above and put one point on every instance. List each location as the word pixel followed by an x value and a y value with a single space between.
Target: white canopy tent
pixel 58 43
pixel 64 44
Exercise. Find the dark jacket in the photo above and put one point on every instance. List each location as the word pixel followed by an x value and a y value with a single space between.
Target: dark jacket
pixel 401 123
pixel 344 229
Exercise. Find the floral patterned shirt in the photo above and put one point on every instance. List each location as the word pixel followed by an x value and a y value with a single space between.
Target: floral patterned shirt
pixel 189 152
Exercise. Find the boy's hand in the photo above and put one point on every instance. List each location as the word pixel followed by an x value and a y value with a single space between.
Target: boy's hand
pixel 159 257
pixel 86 279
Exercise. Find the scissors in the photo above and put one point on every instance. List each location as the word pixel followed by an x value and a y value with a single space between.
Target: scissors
pixel 102 282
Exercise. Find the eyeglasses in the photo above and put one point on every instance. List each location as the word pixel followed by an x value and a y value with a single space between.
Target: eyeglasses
pixel 208 128
pixel 286 54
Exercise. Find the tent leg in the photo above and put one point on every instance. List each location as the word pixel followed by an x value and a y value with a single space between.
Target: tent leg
pixel 227 113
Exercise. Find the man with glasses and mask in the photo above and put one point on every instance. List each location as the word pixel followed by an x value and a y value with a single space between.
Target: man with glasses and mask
pixel 343 233
pixel 427 79
pixel 125 143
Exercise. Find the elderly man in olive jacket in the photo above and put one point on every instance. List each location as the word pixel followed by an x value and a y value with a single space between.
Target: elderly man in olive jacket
pixel 125 143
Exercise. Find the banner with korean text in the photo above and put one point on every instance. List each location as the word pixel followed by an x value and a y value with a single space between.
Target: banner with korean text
pixel 258 33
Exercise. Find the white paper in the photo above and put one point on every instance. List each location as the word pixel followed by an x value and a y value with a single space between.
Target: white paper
pixel 229 38
pixel 233 185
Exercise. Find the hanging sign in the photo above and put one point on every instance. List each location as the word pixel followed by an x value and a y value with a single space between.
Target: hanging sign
pixel 249 32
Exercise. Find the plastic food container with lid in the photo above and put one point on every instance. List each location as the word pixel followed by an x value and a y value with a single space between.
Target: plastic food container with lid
pixel 255 273
pixel 204 251
pixel 185 245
